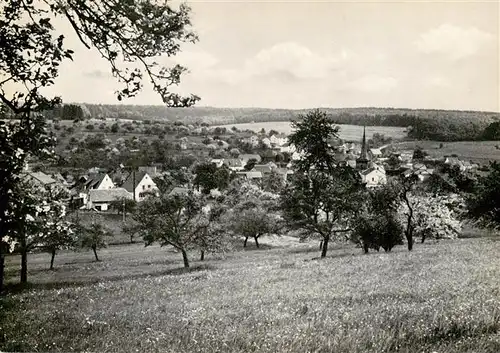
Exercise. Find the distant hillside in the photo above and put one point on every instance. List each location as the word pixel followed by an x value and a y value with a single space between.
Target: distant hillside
pixel 217 116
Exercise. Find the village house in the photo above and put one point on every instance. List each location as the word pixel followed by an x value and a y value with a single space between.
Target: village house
pixel 140 184
pixel 278 140
pixel 101 200
pixel 217 161
pixel 374 176
pixel 252 140
pixel 251 175
pixel 234 164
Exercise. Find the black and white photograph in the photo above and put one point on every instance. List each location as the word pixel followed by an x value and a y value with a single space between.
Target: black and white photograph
pixel 241 176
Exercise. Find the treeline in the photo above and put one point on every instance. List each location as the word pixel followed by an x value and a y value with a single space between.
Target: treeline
pixel 439 125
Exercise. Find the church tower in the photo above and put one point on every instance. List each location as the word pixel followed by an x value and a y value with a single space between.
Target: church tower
pixel 362 161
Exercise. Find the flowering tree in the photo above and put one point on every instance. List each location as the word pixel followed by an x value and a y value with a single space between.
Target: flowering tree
pixel 181 221
pixel 434 216
pixel 131 37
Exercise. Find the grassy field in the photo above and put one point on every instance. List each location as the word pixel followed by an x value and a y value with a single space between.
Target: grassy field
pixel 347 132
pixel 442 297
pixel 477 151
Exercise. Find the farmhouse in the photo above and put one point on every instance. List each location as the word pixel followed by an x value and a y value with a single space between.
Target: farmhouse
pixel 101 199
pixel 374 176
pixel 140 184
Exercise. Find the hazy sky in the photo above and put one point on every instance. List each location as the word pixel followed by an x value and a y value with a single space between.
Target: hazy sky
pixel 332 54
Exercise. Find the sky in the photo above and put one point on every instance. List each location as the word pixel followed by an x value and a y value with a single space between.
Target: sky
pixel 435 55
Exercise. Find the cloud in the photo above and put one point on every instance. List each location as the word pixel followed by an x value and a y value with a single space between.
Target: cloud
pixel 373 83
pixel 452 41
pixel 295 59
pixel 195 60
pixel 285 62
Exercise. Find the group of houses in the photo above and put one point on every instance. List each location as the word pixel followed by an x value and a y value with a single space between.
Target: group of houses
pixel 97 190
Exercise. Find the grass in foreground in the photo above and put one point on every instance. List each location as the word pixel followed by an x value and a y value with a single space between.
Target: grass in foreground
pixel 442 298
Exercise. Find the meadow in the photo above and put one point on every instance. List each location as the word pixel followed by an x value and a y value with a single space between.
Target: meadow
pixel 347 132
pixel 476 151
pixel 442 297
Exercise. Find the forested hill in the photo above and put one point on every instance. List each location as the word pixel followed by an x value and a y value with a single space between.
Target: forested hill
pixel 216 116
pixel 445 125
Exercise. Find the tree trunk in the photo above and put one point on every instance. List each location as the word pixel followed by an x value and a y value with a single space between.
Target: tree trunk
pixel 202 255
pixel 325 245
pixel 24 265
pixel 53 255
pixel 366 248
pixel 321 245
pixel 409 235
pixel 256 241
pixel 2 262
pixel 245 242
pixel 185 258
pixel 94 249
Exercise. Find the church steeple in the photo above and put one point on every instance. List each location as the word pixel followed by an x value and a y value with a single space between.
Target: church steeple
pixel 362 161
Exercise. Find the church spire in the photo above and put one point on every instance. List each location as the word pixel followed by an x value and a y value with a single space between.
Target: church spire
pixel 364 152
pixel 362 161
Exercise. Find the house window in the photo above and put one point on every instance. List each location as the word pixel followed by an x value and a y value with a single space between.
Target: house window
pixel 144 187
pixel 373 179
pixel 149 186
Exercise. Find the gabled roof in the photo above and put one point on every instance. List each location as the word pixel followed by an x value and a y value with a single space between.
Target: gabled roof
pixel 376 151
pixel 233 162
pixel 370 170
pixel 109 195
pixel 263 168
pixel 94 180
pixel 178 191
pixel 42 178
pixel 128 184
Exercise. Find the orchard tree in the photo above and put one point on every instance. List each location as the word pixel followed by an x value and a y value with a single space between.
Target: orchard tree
pixel 130 37
pixel 321 203
pixel 435 216
pixel 311 136
pixel 483 204
pixel 176 220
pixel 92 236
pixel 377 223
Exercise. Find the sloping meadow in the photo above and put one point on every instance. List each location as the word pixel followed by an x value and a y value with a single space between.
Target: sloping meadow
pixel 442 297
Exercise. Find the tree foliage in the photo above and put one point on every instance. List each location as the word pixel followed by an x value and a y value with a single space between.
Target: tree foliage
pixel 311 137
pixel 483 205
pixel 130 35
pixel 323 203
pixel 377 224
pixel 176 220
pixel 92 236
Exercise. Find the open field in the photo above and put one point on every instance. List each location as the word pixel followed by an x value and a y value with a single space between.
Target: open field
pixel 347 132
pixel 477 151
pixel 442 297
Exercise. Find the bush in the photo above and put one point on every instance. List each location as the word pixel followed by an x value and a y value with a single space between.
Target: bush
pixel 89 127
pixel 378 231
pixel 115 127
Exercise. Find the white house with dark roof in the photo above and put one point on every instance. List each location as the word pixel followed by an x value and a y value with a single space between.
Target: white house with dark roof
pixel 374 176
pixel 140 184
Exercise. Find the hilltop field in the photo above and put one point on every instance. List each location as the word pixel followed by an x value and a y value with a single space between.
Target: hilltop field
pixel 442 297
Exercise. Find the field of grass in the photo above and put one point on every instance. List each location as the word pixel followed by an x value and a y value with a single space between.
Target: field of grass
pixel 442 297
pixel 475 151
pixel 347 132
